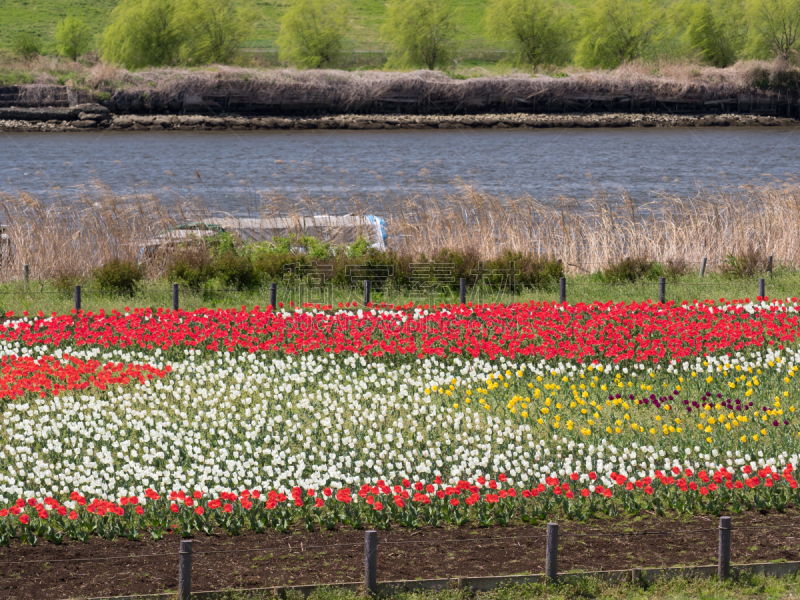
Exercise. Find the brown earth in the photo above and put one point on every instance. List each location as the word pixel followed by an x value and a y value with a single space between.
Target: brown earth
pixel 272 559
pixel 95 117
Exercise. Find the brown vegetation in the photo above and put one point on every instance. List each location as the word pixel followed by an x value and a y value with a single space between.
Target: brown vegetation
pixel 347 89
pixel 71 237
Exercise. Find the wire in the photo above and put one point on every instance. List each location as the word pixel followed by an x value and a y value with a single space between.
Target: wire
pixel 521 537
pixel 635 533
pixel 60 560
pixel 301 548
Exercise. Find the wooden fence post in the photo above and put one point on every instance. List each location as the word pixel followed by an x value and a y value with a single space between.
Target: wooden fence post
pixel 551 555
pixel 370 562
pixel 185 570
pixel 175 296
pixel 562 290
pixel 77 297
pixel 703 267
pixel 662 290
pixel 761 288
pixel 724 566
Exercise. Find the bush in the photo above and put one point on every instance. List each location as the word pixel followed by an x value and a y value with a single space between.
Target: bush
pixel 745 263
pixel 73 37
pixel 359 247
pixel 237 271
pixel 540 272
pixel 632 269
pixel 675 267
pixel 119 277
pixel 26 45
pixel 192 267
pixel 65 281
pixel 269 266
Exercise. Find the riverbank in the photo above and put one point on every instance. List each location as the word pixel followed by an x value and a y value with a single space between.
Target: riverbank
pixel 91 117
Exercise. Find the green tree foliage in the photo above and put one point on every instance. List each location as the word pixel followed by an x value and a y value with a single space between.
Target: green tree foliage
pixel 539 29
pixel 73 37
pixel 26 45
pixel 142 33
pixel 312 33
pixel 213 31
pixel 714 29
pixel 616 31
pixel 151 33
pixel 421 33
pixel 776 27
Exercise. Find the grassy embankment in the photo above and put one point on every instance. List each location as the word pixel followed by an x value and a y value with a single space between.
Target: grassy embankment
pixel 763 588
pixel 610 250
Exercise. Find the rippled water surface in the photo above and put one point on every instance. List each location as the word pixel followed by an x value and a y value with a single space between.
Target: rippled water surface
pixel 232 169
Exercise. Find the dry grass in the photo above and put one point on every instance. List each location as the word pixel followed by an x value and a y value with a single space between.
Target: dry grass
pixel 593 233
pixel 75 236
pixel 347 89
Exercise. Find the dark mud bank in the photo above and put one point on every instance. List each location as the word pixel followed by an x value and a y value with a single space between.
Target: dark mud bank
pixel 92 117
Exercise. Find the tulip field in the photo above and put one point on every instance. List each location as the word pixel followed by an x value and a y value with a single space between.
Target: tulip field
pixel 142 422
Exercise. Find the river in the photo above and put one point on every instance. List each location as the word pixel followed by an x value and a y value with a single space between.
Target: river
pixel 232 169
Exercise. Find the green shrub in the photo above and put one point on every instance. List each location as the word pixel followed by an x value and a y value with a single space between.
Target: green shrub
pixel 675 267
pixel 745 263
pixel 119 277
pixel 269 266
pixel 530 270
pixel 632 269
pixel 223 243
pixel 65 281
pixel 237 271
pixel 26 45
pixel 358 248
pixel 192 267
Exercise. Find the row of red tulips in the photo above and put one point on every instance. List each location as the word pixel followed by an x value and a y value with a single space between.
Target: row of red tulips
pixel 642 332
pixel 483 503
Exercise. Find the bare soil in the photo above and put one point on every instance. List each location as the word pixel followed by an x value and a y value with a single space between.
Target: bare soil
pixel 272 559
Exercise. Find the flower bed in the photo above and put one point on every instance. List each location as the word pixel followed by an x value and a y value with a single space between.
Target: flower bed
pixel 124 423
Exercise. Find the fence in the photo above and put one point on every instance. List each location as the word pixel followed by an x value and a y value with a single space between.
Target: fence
pixel 371 586
pixel 489 287
pixel 273 293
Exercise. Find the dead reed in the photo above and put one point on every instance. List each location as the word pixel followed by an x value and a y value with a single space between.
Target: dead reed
pixel 348 89
pixel 77 234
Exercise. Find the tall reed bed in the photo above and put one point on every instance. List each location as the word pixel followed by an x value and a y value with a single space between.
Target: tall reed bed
pixel 76 234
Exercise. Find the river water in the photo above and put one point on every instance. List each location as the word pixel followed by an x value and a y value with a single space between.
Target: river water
pixel 233 170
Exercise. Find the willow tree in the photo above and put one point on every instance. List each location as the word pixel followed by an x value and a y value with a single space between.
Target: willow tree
pixel 213 31
pixel 716 30
pixel 618 31
pixel 73 37
pixel 142 33
pixel 775 27
pixel 538 29
pixel 313 33
pixel 421 33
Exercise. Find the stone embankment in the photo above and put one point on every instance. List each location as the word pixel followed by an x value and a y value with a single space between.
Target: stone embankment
pixel 91 117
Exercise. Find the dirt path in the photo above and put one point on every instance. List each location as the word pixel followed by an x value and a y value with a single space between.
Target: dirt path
pixel 254 560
